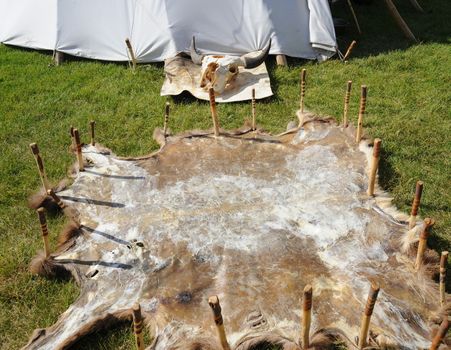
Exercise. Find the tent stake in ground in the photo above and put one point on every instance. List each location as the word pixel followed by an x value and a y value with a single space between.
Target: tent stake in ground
pixel 40 164
pixel 281 60
pixel 441 334
pixel 78 148
pixel 216 308
pixel 374 165
pixel 307 300
pixel 443 263
pixel 138 326
pixel 253 110
pixel 303 74
pixel 214 113
pixel 362 108
pixel 92 124
pixel 366 318
pixel 346 107
pixel 428 223
pixel 131 52
pixel 349 50
pixel 44 230
pixel 167 108
pixel 415 204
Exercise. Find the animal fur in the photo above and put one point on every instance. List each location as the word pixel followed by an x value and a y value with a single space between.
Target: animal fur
pixel 47 267
pixel 71 230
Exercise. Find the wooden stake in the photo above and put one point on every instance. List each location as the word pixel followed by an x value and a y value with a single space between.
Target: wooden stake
pixel 399 20
pixel 415 204
pixel 303 75
pixel 214 113
pixel 132 54
pixel 361 113
pixel 216 308
pixel 92 123
pixel 281 60
pixel 349 50
pixel 138 326
pixel 443 265
pixel 78 147
pixel 306 315
pixel 57 199
pixel 40 165
pixel 441 334
pixel 374 166
pixel 416 5
pixel 428 223
pixel 72 138
pixel 58 58
pixel 347 98
pixel 356 21
pixel 44 230
pixel 366 318
pixel 254 127
pixel 167 108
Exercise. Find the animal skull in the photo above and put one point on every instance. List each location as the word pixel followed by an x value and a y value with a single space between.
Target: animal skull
pixel 219 71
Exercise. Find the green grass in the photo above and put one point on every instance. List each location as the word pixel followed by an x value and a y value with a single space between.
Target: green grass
pixel 408 107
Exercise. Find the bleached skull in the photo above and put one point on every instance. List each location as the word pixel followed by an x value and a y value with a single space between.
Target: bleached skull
pixel 219 71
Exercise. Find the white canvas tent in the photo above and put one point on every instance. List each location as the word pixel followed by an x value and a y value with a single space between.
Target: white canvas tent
pixel 159 29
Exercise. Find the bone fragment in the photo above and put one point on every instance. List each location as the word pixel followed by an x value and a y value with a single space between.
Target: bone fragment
pixel 40 165
pixel 362 108
pixel 44 230
pixel 374 166
pixel 415 204
pixel 213 301
pixel 366 318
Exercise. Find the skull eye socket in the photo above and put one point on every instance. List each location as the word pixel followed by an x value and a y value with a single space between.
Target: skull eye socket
pixel 232 69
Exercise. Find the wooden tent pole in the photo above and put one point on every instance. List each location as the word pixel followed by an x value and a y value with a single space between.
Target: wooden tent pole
pixel 399 20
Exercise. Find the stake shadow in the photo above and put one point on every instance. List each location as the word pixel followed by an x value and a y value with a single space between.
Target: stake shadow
pixel 106 235
pixel 93 201
pixel 95 262
pixel 120 177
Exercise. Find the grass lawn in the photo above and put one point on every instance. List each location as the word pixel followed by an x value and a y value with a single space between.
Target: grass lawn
pixel 408 108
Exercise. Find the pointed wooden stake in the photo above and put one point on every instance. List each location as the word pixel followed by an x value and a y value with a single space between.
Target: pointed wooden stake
pixel 138 326
pixel 216 308
pixel 303 82
pixel 78 148
pixel 428 223
pixel 441 334
pixel 354 16
pixel 366 318
pixel 362 108
pixel 131 52
pixel 40 165
pixel 92 123
pixel 306 315
pixel 57 199
pixel 214 113
pixel 349 50
pixel 415 204
pixel 44 230
pixel 374 166
pixel 443 265
pixel 167 108
pixel 254 127
pixel 346 107
pixel 72 139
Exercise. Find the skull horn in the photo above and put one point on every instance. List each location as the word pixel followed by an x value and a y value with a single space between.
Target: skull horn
pixel 250 61
pixel 196 57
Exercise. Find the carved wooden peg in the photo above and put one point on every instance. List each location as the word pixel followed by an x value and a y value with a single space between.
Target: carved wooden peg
pixel 346 107
pixel 92 124
pixel 441 334
pixel 167 108
pixel 349 50
pixel 138 326
pixel 40 165
pixel 57 199
pixel 44 231
pixel 79 154
pixel 214 113
pixel 415 204
pixel 362 109
pixel 374 166
pixel 443 265
pixel 254 127
pixel 72 139
pixel 303 83
pixel 366 318
pixel 213 301
pixel 131 52
pixel 307 300
pixel 428 223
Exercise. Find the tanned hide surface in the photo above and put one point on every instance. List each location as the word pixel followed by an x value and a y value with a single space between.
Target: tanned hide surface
pixel 251 218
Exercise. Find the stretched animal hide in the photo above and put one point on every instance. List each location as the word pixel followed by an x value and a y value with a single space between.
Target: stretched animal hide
pixel 251 218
